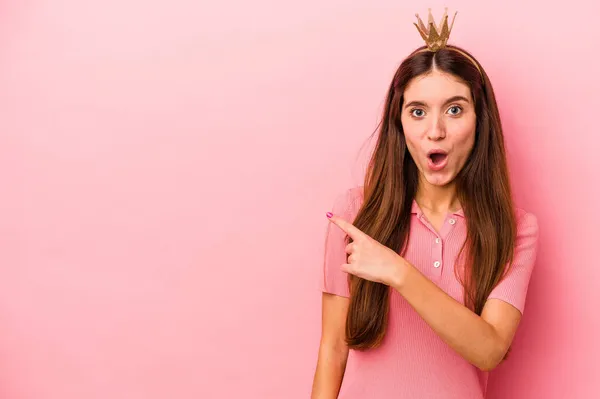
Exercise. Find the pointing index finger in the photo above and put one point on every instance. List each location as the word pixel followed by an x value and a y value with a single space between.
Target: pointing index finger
pixel 346 226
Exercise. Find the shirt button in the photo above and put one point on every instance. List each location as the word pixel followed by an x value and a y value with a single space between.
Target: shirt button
pixel 452 221
pixel 436 263
pixel 437 240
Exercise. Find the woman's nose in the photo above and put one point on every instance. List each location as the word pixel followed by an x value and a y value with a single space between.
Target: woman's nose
pixel 436 130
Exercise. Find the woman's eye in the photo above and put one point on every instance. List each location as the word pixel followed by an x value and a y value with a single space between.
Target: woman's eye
pixel 417 112
pixel 455 110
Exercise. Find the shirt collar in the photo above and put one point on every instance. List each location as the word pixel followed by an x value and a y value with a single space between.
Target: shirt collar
pixel 417 210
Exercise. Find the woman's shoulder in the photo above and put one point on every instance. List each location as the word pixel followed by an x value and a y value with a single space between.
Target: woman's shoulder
pixel 527 222
pixel 348 201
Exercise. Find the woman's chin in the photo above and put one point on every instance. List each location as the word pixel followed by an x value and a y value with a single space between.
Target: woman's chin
pixel 440 179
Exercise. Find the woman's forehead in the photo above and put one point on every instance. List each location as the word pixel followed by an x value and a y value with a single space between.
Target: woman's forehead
pixel 435 87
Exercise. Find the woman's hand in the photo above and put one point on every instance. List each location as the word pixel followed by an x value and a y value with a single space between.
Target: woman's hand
pixel 368 258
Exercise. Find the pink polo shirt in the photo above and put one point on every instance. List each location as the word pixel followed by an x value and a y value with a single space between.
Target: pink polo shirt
pixel 413 361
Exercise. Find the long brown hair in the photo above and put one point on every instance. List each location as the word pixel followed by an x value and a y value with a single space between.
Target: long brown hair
pixel 483 189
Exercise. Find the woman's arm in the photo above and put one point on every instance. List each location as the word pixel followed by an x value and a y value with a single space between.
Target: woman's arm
pixel 333 351
pixel 481 340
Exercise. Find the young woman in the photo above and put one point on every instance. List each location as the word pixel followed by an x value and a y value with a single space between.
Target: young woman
pixel 427 264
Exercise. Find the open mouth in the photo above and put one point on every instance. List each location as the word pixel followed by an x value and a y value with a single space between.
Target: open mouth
pixel 438 157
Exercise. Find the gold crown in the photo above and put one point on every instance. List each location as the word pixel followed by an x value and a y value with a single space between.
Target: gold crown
pixel 435 37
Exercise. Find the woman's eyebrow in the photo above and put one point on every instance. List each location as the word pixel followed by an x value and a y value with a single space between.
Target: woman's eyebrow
pixel 448 101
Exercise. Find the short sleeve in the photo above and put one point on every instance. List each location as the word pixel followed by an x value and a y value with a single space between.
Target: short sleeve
pixel 335 281
pixel 513 288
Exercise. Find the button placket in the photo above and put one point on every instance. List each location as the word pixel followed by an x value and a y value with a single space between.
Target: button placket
pixel 437 253
pixel 438 260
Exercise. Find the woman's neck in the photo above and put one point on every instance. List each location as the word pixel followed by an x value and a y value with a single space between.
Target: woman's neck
pixel 437 199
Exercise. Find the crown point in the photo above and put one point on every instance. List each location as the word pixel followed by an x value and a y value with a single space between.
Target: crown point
pixel 434 35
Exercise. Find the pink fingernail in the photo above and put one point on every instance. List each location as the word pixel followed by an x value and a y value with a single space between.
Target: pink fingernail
pixel 329 214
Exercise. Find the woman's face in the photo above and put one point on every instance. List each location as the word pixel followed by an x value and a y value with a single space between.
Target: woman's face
pixel 438 118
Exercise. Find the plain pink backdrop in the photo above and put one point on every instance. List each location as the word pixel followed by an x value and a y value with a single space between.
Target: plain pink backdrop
pixel 166 167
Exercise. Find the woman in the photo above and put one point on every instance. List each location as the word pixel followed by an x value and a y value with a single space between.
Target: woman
pixel 427 264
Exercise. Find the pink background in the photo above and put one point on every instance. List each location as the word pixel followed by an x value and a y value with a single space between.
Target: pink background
pixel 166 167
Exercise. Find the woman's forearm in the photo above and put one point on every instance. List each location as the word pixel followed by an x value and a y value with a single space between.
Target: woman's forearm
pixel 329 373
pixel 467 333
